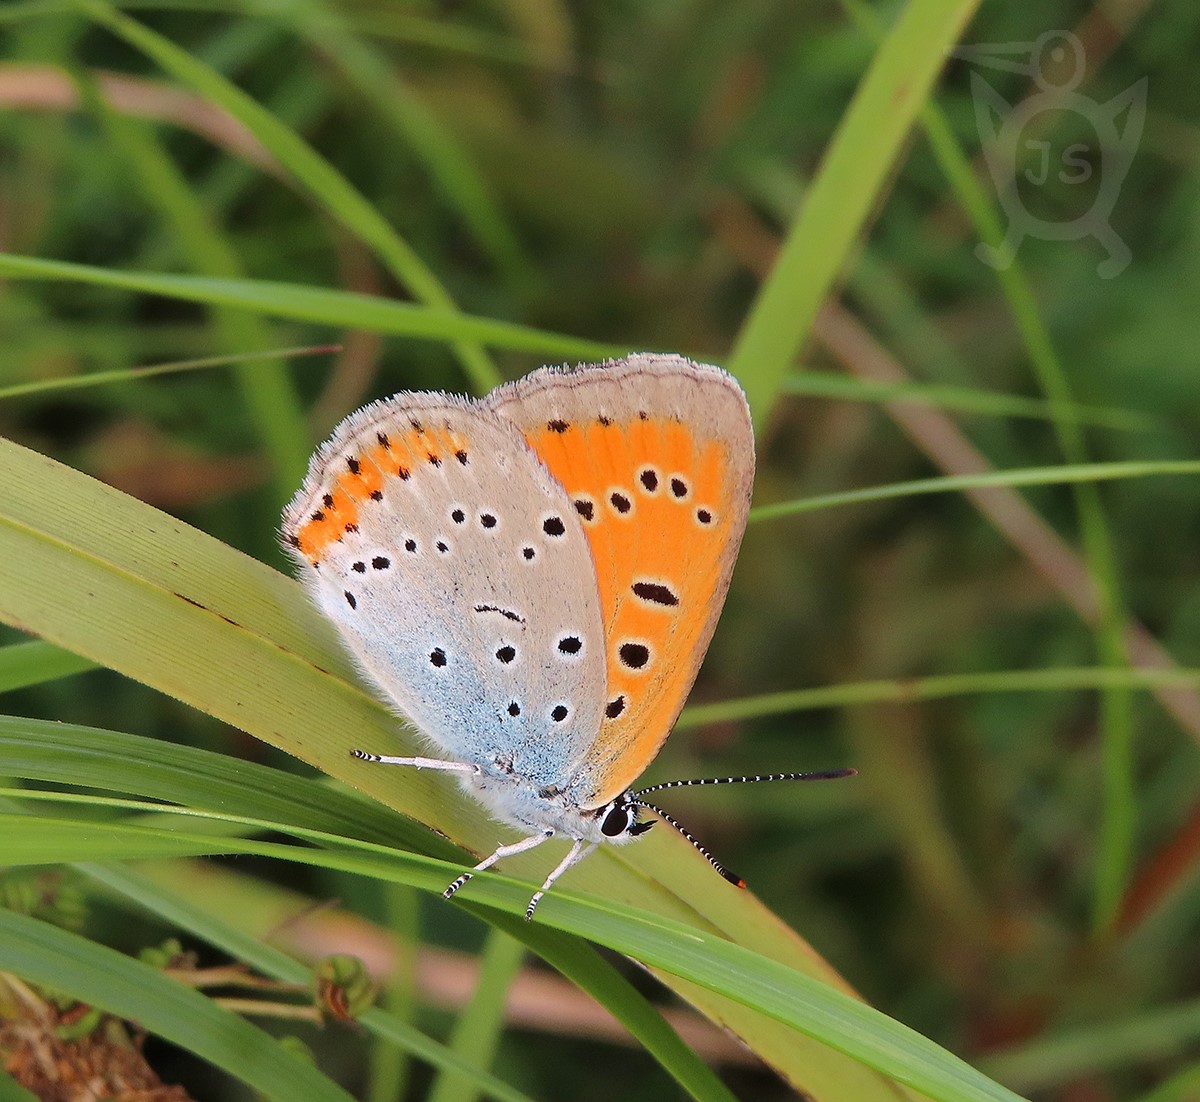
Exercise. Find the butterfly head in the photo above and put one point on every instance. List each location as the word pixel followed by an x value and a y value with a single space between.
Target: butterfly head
pixel 618 819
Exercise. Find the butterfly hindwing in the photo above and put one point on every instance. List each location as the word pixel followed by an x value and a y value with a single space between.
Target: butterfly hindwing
pixel 473 607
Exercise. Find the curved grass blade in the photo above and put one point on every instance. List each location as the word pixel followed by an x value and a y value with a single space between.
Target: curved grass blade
pixel 790 997
pixel 108 378
pixel 120 985
pixel 64 754
pixel 1067 474
pixel 115 580
pixel 847 187
pixel 149 769
pixel 146 895
pixel 332 190
pixel 345 309
pixel 990 403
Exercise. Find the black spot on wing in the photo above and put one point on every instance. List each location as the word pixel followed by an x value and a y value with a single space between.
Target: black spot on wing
pixel 655 594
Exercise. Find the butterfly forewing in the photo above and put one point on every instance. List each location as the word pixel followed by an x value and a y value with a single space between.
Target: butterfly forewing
pixel 458 574
pixel 656 455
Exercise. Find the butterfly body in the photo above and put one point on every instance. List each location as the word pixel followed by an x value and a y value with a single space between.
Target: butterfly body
pixel 532 579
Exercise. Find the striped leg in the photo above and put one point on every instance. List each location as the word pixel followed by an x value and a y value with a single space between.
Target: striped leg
pixel 499 855
pixel 417 763
pixel 577 854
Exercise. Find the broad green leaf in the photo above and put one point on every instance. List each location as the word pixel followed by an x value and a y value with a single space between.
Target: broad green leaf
pixel 113 579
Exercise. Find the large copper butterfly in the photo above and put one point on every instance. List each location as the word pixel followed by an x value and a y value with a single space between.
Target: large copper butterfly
pixel 533 579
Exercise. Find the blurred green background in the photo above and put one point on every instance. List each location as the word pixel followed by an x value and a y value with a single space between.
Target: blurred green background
pixel 1014 873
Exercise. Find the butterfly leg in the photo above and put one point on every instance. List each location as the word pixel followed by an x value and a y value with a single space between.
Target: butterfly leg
pixel 417 763
pixel 499 855
pixel 578 852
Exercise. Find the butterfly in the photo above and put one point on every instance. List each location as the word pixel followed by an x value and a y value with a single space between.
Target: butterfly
pixel 532 579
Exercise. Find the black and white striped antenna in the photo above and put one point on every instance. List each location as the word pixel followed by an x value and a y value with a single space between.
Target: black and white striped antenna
pixel 635 800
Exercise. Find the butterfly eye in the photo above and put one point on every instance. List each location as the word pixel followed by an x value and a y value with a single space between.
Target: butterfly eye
pixel 618 820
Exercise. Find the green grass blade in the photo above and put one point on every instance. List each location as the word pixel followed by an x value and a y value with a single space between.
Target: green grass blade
pixel 113 579
pixel 335 194
pixel 124 375
pixel 478 1028
pixel 64 754
pixel 340 308
pixel 904 690
pixel 67 754
pixel 965 400
pixel 1029 476
pixel 36 662
pixel 128 988
pixel 856 167
pixel 265 387
pixel 206 919
pixel 790 997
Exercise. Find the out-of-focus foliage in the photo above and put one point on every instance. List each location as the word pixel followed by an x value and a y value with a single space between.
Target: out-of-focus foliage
pixel 1014 873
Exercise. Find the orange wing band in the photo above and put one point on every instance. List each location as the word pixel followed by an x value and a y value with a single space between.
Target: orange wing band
pixel 361 479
